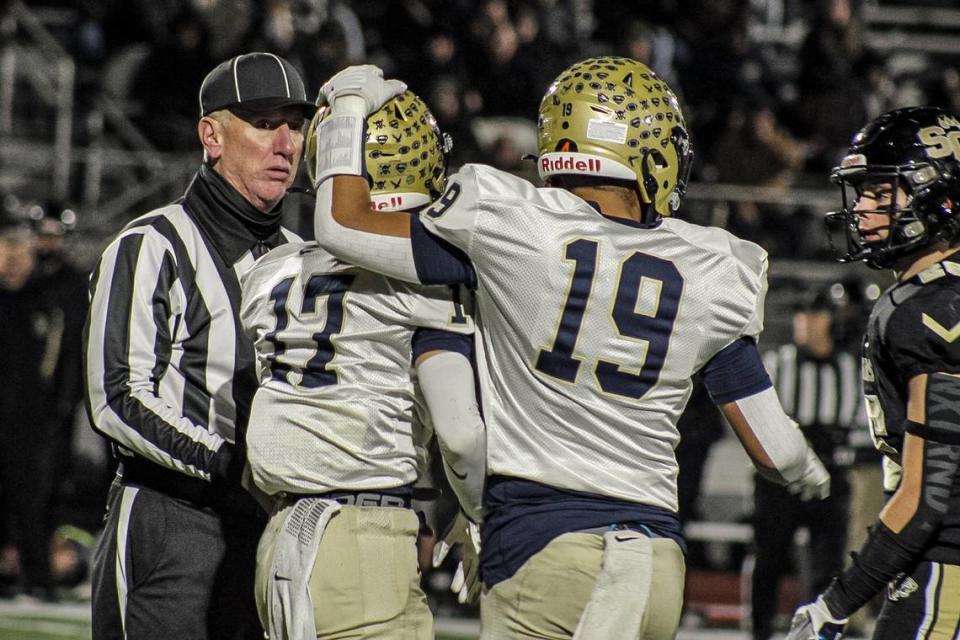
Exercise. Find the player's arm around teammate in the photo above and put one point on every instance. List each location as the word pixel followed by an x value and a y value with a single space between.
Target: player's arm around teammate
pixel 396 153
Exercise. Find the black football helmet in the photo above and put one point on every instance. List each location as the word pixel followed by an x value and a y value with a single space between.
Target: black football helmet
pixel 916 149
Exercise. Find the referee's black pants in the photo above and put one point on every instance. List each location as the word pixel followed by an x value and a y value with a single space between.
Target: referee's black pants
pixel 166 568
pixel 777 516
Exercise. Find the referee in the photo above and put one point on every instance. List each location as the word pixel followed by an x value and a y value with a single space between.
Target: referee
pixel 819 387
pixel 170 375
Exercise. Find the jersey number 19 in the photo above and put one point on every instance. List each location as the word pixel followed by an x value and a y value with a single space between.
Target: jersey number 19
pixel 651 325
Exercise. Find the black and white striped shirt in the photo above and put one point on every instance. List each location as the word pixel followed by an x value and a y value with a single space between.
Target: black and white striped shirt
pixel 822 395
pixel 169 373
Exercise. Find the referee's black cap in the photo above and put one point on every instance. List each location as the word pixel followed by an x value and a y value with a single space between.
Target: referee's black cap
pixel 254 82
pixel 829 297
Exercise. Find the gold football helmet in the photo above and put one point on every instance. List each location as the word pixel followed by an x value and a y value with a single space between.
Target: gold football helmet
pixel 405 153
pixel 614 117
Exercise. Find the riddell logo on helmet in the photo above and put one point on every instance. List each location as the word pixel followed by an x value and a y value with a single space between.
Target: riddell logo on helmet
pixel 569 163
pixel 393 203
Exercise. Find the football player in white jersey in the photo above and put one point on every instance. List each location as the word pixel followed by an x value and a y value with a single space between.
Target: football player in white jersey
pixel 334 434
pixel 595 307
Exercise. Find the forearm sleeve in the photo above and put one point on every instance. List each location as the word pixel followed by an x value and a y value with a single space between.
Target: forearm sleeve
pixel 881 558
pixel 389 255
pixel 737 375
pixel 779 436
pixel 886 553
pixel 447 383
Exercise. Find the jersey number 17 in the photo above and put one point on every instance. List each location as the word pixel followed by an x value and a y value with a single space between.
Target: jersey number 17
pixel 331 287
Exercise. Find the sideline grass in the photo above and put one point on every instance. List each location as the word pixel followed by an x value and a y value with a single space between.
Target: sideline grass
pixel 52 622
pixel 17 628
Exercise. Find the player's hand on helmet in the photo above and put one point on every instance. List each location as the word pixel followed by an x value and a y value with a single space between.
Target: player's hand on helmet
pixel 466 580
pixel 815 621
pixel 364 81
pixel 814 481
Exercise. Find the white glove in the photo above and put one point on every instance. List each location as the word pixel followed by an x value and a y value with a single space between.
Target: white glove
pixel 466 580
pixel 815 622
pixel 364 81
pixel 814 481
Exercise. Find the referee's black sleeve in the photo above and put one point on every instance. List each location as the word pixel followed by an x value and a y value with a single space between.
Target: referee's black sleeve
pixel 147 391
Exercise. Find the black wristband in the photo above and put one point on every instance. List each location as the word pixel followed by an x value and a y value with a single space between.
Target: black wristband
pixel 881 558
pixel 932 433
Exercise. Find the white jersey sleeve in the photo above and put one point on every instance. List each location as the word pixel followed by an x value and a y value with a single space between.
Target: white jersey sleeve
pixel 753 264
pixel 445 308
pixel 477 196
pixel 453 217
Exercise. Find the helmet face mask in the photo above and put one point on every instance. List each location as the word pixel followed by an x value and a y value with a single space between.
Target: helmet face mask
pixel 879 245
pixel 915 152
pixel 406 155
pixel 613 117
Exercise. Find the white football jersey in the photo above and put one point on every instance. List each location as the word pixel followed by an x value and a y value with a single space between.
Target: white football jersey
pixel 335 406
pixel 591 330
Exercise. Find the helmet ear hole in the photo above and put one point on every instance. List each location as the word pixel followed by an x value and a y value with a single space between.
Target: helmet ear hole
pixel 650 184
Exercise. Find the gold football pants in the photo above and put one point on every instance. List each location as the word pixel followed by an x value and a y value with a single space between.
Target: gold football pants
pixel 365 583
pixel 546 597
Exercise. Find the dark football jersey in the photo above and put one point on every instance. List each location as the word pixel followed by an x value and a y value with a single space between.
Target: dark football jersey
pixel 913 329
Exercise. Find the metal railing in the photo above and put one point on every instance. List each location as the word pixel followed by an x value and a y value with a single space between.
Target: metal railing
pixel 116 151
pixel 157 173
pixel 817 199
pixel 51 72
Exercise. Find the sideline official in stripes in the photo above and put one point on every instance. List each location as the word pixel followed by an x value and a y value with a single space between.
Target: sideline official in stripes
pixel 819 386
pixel 170 375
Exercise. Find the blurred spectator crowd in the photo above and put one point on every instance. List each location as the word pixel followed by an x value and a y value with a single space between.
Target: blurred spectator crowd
pixel 772 89
pixel 51 484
